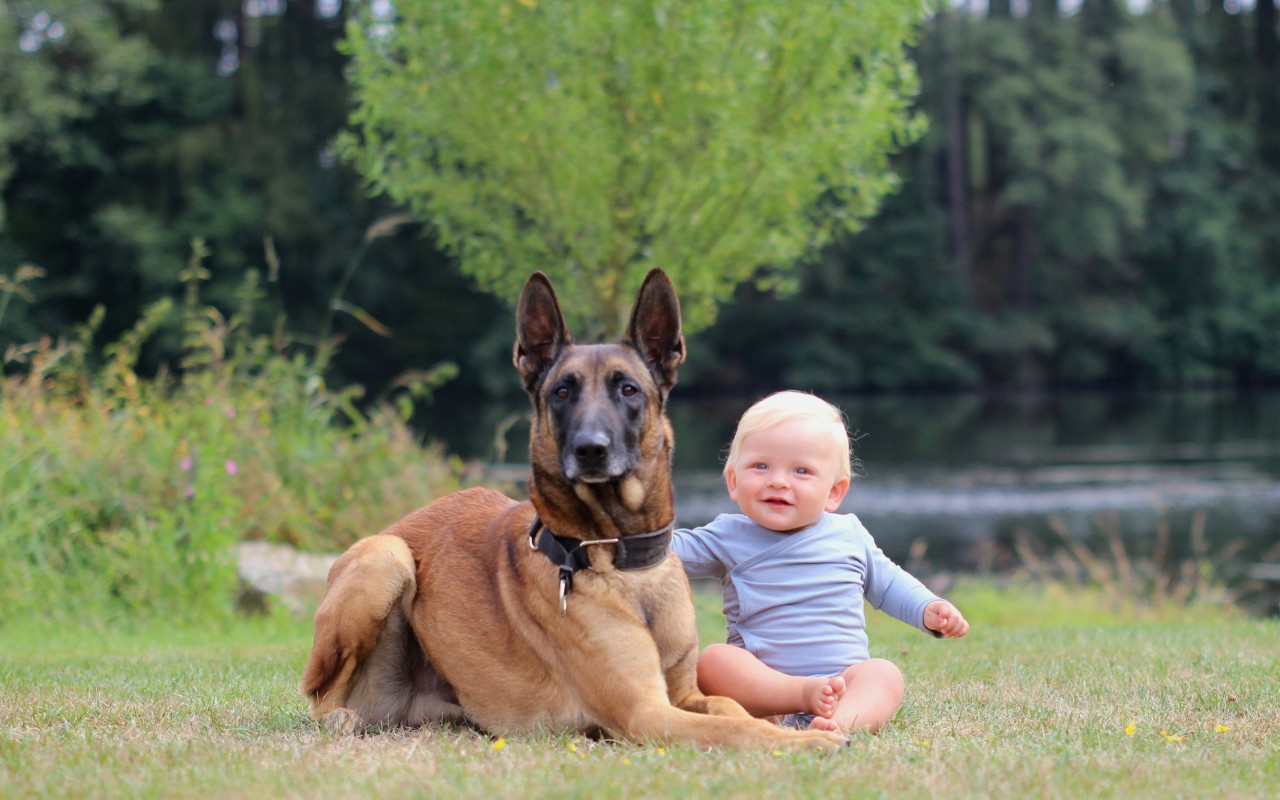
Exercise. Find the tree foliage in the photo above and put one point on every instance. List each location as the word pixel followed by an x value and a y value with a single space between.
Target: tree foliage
pixel 719 140
pixel 1093 204
pixel 131 128
pixel 1091 207
pixel 61 61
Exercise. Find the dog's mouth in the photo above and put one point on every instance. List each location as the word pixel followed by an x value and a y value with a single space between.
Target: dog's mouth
pixel 610 472
pixel 596 478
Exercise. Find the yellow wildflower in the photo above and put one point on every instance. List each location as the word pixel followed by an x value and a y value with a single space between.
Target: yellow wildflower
pixel 1131 727
pixel 1221 728
pixel 501 743
pixel 662 751
pixel 573 748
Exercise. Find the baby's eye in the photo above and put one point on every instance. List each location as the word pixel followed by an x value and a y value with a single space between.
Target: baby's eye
pixel 759 465
pixel 803 471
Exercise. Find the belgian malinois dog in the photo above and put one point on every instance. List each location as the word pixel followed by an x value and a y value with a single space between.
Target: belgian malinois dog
pixel 565 612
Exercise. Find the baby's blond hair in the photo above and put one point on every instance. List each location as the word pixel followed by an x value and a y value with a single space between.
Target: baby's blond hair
pixel 787 406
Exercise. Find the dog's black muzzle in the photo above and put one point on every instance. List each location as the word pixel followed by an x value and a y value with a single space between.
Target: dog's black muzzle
pixel 595 455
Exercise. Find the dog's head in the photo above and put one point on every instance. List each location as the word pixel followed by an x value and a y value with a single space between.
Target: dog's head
pixel 598 408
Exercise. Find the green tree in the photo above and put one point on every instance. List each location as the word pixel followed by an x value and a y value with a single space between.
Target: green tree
pixel 59 61
pixel 721 140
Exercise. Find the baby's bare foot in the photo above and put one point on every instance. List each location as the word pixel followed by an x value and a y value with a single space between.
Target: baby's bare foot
pixel 821 695
pixel 824 724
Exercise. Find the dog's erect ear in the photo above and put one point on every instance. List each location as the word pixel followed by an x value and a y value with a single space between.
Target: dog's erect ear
pixel 655 327
pixel 541 332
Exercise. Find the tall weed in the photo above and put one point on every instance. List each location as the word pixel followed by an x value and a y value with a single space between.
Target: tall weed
pixel 123 496
pixel 1145 583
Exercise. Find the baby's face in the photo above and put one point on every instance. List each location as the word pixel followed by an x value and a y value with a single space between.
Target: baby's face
pixel 787 475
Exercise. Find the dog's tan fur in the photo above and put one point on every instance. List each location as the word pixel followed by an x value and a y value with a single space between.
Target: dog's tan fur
pixel 450 615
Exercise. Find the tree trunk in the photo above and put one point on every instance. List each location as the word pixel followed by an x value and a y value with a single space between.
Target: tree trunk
pixel 1044 10
pixel 957 158
pixel 1024 236
pixel 1024 257
pixel 1267 52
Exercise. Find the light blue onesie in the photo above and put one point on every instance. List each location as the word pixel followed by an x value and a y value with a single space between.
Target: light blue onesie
pixel 795 600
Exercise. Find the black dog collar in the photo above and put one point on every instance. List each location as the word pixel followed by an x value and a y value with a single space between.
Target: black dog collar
pixel 640 551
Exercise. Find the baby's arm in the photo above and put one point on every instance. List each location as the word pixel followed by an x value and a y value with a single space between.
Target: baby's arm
pixel 944 618
pixel 897 592
pixel 699 552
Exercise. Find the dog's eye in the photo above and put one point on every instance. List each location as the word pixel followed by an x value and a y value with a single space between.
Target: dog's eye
pixel 629 390
pixel 562 392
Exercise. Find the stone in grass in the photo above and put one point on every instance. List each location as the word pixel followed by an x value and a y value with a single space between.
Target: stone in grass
pixel 271 573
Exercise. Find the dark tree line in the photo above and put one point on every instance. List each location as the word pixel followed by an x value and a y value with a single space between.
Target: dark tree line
pixel 1095 203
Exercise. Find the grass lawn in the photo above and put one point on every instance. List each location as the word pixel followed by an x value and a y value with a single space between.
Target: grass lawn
pixel 1035 702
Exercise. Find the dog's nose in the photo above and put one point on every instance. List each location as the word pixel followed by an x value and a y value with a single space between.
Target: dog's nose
pixel 591 448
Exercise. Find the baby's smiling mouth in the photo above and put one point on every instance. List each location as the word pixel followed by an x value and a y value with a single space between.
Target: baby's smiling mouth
pixel 776 501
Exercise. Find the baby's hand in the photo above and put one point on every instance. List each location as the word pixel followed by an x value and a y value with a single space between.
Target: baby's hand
pixel 946 619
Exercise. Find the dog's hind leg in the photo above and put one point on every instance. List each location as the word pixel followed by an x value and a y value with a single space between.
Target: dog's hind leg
pixel 398 685
pixel 362 661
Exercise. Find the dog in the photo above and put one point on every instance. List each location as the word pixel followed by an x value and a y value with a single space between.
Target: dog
pixel 563 612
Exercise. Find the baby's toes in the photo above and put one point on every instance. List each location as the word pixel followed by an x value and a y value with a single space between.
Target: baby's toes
pixel 837 687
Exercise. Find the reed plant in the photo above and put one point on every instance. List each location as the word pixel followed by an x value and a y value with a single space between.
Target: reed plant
pixel 124 495
pixel 1143 580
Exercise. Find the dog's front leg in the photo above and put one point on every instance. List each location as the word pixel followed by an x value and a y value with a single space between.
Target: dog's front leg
pixel 627 691
pixel 700 703
pixel 717 722
pixel 683 692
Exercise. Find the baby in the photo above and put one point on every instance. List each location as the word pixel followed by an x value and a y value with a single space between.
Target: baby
pixel 795 574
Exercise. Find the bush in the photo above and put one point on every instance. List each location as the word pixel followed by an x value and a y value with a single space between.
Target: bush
pixel 124 496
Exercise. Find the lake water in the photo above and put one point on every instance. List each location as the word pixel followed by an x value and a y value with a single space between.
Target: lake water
pixel 963 476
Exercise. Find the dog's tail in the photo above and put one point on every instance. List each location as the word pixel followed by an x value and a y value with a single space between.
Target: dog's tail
pixel 367 584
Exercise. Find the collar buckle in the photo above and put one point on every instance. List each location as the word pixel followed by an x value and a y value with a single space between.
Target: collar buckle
pixel 570 555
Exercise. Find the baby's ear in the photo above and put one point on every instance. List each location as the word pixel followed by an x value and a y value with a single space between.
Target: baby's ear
pixel 731 483
pixel 838 490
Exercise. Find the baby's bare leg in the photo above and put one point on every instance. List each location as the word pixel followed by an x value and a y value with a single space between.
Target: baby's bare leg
pixel 872 696
pixel 763 691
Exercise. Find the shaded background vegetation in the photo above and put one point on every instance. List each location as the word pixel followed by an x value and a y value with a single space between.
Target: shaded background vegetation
pixel 1094 203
